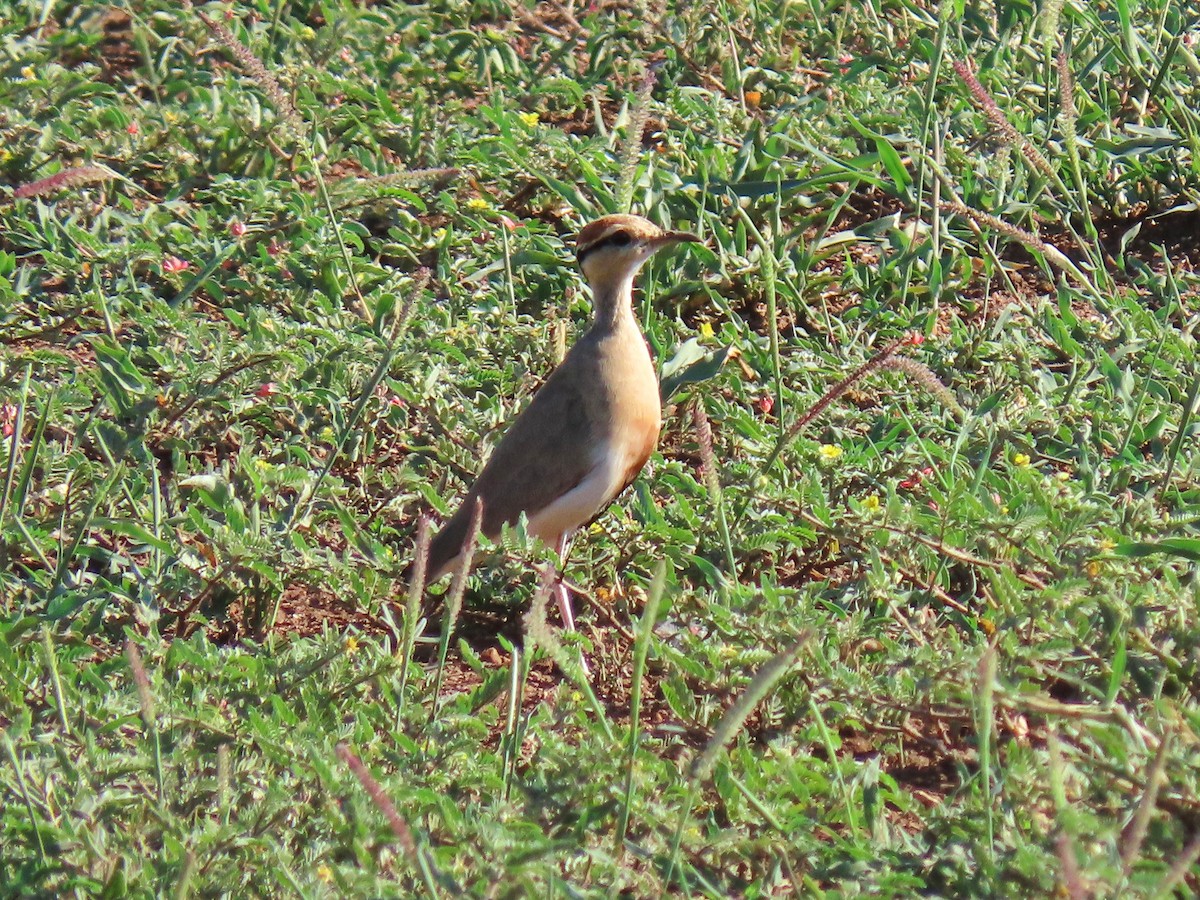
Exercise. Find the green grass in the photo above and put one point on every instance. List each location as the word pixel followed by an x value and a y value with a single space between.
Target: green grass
pixel 263 295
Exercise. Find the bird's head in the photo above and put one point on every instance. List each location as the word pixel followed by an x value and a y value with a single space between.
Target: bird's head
pixel 612 249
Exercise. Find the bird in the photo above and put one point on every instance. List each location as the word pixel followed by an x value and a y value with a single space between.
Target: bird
pixel 590 428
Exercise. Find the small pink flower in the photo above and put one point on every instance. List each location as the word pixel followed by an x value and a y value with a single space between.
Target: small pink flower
pixel 508 223
pixel 388 397
pixel 237 228
pixel 175 264
pixel 347 56
pixel 914 339
pixel 844 62
pixel 914 481
pixel 274 248
pixel 266 389
pixel 132 128
pixel 765 404
pixel 8 416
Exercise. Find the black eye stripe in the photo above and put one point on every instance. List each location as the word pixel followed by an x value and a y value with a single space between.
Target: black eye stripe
pixel 616 239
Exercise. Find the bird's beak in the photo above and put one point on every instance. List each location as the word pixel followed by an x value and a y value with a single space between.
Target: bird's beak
pixel 670 238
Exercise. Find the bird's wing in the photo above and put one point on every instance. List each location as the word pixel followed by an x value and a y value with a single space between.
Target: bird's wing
pixel 547 451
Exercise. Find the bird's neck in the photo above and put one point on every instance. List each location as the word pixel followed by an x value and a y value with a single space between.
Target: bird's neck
pixel 612 305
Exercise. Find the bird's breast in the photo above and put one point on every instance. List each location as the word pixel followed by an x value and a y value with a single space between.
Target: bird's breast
pixel 628 403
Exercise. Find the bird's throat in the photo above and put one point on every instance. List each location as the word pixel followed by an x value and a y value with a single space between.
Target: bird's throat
pixel 612 305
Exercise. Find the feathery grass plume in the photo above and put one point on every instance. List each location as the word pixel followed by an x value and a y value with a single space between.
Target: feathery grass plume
pixel 17 422
pixel 1066 89
pixel 1135 831
pixel 1068 115
pixel 420 279
pixel 1180 869
pixel 923 375
pixel 224 777
pixel 704 438
pixel 458 584
pixel 1000 122
pixel 359 190
pixel 712 480
pixel 875 362
pixel 1051 13
pixel 1063 845
pixel 146 701
pixel 142 681
pixel 985 737
pixel 65 180
pixel 641 649
pixel 454 598
pixel 822 404
pixel 735 717
pixel 702 766
pixel 301 510
pixel 1069 867
pixel 412 606
pixel 631 149
pixel 418 571
pixel 538 633
pixel 1031 241
pixel 258 73
pixel 382 801
pixel 183 886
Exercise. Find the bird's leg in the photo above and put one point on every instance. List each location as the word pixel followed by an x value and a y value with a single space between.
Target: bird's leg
pixel 562 545
pixel 564 596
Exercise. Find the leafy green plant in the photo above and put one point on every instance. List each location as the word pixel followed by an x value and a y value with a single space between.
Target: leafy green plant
pixel 273 277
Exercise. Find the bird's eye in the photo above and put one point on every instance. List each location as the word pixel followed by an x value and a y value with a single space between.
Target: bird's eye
pixel 620 239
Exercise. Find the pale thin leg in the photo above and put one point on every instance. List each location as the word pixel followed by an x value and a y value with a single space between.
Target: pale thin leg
pixel 564 596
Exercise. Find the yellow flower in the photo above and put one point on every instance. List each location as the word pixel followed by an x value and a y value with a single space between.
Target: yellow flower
pixel 1093 569
pixel 324 873
pixel 828 452
pixel 306 33
pixel 1063 476
pixel 529 120
pixel 28 73
pixel 595 528
pixel 1021 459
pixel 351 645
pixel 1004 510
pixel 1106 545
pixel 706 330
pixel 478 203
pixel 872 503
